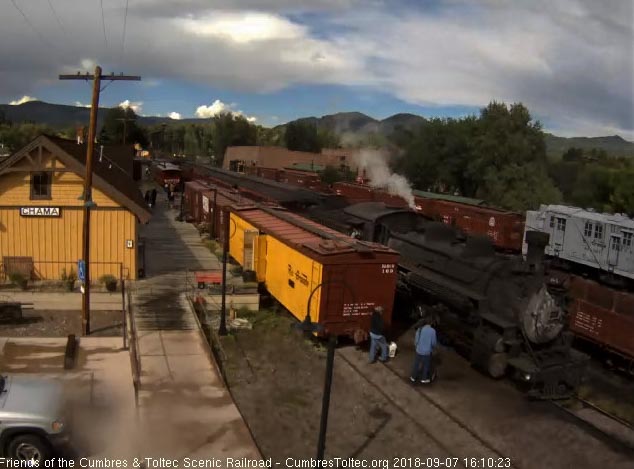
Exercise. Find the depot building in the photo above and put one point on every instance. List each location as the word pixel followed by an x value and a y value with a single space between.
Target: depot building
pixel 42 206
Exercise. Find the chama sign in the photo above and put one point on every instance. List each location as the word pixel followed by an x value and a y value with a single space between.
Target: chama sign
pixel 40 211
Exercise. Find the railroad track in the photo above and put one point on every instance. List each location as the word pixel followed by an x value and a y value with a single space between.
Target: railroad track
pixel 459 425
pixel 611 426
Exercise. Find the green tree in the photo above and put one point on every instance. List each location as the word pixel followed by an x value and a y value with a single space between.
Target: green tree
pixel 230 130
pixel 16 136
pixel 114 126
pixel 302 136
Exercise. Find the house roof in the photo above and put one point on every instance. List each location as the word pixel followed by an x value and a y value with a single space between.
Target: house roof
pixel 112 173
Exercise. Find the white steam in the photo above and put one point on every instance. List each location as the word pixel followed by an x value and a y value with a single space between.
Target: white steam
pixel 376 169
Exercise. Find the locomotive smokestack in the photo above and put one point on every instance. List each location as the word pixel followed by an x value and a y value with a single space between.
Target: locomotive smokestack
pixel 536 242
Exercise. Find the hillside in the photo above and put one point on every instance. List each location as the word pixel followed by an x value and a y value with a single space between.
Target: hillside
pixel 352 127
pixel 61 116
pixel 614 145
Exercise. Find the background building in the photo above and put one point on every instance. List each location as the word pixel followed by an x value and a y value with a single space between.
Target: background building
pixel 279 157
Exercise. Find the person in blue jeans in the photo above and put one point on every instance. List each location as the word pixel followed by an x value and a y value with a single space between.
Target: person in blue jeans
pixel 425 342
pixel 377 339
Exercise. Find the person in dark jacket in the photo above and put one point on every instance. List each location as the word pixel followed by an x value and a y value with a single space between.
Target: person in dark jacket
pixel 153 198
pixel 147 198
pixel 377 337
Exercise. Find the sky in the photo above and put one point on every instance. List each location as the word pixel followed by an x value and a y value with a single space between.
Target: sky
pixel 571 62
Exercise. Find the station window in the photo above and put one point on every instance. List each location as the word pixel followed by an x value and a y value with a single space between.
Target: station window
pixel 627 238
pixel 616 243
pixel 598 231
pixel 587 230
pixel 40 186
pixel 552 221
pixel 561 224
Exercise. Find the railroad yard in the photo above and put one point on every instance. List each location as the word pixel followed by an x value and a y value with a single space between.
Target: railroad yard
pixel 257 391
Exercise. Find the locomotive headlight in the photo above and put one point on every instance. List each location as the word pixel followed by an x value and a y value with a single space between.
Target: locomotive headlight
pixel 526 376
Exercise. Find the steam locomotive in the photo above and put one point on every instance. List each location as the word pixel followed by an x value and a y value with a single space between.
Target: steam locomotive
pixel 497 307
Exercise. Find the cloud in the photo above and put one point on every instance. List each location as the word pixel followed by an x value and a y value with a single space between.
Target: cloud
pixel 174 115
pixel 22 100
pixel 218 107
pixel 214 109
pixel 243 28
pixel 80 104
pixel 562 59
pixel 136 106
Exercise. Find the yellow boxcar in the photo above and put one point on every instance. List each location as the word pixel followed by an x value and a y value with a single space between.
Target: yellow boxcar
pixel 299 260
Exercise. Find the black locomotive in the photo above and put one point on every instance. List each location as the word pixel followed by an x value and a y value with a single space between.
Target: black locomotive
pixel 497 307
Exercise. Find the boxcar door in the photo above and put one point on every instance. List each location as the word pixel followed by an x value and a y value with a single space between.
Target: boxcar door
pixel 613 251
pixel 559 231
pixel 249 249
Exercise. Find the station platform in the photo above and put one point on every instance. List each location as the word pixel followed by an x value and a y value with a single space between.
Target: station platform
pixel 184 407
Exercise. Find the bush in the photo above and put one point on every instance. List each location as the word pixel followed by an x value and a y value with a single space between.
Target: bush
pixel 69 278
pixel 18 279
pixel 110 281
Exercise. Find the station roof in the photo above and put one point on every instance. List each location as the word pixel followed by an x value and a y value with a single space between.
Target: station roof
pixel 110 174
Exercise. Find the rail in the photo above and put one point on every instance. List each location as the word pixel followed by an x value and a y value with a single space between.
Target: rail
pixel 627 428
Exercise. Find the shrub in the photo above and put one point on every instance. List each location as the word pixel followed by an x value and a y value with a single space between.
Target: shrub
pixel 18 279
pixel 110 281
pixel 69 278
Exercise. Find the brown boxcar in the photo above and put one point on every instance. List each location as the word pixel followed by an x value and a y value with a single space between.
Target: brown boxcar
pixel 192 200
pixel 604 316
pixel 310 268
pixel 505 229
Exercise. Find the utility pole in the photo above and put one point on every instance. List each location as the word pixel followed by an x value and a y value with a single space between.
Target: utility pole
pixel 125 125
pixel 87 196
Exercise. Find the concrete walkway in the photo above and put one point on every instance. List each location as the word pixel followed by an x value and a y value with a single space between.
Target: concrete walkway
pixel 185 409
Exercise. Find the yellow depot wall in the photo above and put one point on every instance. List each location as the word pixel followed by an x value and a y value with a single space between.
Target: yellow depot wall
pixel 55 243
pixel 284 264
pixel 15 189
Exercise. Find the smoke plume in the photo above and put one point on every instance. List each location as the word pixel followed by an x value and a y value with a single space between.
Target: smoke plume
pixel 376 169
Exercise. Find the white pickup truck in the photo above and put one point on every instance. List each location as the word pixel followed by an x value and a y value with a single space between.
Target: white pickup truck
pixel 32 424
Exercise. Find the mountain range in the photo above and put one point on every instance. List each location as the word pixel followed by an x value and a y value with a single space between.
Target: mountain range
pixel 352 127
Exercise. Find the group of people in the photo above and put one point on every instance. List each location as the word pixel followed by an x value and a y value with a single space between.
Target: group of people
pixel 425 342
pixel 150 198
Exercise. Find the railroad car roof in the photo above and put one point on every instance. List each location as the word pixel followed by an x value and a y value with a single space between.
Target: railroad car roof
pixel 300 232
pixel 452 198
pixel 615 219
pixel 271 189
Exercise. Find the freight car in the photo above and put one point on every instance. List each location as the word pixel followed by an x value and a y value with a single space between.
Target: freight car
pixel 605 317
pixel 498 306
pixel 470 215
pixel 595 242
pixel 311 269
pixel 166 173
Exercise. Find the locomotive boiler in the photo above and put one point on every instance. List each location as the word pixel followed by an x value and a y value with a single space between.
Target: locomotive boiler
pixel 497 308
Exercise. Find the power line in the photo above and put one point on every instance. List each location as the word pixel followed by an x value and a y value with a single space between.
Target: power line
pixel 26 19
pixel 103 24
pixel 61 26
pixel 125 23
